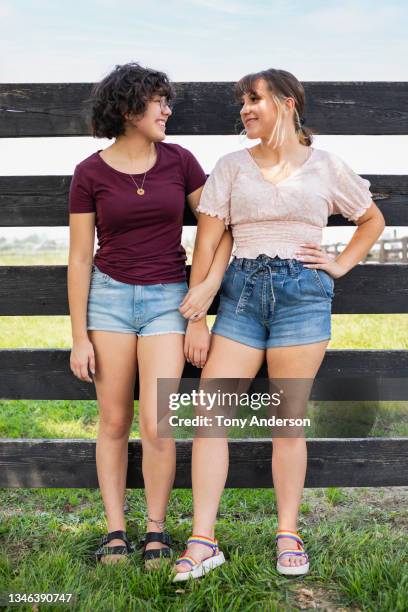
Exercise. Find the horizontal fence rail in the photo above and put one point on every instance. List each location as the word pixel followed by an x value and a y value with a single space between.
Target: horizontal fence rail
pixel 28 201
pixel 45 374
pixel 370 462
pixel 385 250
pixel 59 109
pixel 207 108
pixel 41 290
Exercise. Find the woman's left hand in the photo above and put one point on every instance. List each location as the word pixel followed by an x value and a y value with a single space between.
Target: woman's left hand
pixel 313 256
pixel 197 301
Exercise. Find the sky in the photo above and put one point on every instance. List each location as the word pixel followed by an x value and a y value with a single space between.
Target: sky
pixel 202 40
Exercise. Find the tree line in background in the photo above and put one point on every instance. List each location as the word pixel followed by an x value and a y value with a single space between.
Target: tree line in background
pixel 388 249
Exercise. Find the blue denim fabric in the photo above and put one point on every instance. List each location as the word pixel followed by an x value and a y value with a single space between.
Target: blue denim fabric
pixel 270 302
pixel 144 310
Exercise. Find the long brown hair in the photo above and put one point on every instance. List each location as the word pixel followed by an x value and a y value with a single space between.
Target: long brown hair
pixel 281 84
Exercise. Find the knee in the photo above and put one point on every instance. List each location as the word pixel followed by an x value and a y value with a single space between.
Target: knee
pixel 115 427
pixel 150 436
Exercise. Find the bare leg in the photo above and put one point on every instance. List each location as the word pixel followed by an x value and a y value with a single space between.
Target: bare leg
pixel 289 457
pixel 115 355
pixel 160 356
pixel 226 359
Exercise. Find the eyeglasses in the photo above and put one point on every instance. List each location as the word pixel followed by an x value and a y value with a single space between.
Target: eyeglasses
pixel 164 103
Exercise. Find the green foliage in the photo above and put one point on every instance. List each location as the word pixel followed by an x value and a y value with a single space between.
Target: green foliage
pixel 357 549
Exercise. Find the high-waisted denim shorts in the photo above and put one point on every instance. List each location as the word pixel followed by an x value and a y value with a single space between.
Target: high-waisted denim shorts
pixel 270 302
pixel 144 310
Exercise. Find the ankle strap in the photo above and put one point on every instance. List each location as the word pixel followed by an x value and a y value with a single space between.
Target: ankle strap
pixel 199 539
pixel 115 535
pixel 120 535
pixel 292 535
pixel 154 536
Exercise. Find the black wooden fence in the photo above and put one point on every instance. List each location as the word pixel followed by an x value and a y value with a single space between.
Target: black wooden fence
pixel 42 110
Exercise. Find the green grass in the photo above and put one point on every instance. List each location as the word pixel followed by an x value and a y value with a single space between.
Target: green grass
pixel 35 332
pixel 348 332
pixel 78 419
pixel 43 258
pixel 357 551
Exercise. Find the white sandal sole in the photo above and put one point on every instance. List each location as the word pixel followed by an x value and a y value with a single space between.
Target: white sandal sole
pixel 292 570
pixel 202 568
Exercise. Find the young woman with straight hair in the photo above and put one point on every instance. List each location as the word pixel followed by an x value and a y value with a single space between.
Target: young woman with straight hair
pixel 124 301
pixel 276 295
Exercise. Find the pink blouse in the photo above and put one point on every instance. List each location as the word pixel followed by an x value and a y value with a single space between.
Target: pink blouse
pixel 276 219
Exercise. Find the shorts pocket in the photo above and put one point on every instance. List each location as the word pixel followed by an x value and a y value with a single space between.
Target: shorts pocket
pixel 324 281
pixel 98 278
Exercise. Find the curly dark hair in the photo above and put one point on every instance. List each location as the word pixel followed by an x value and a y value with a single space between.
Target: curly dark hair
pixel 126 89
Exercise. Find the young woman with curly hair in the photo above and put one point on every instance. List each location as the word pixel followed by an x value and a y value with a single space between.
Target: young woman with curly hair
pixel 276 295
pixel 124 300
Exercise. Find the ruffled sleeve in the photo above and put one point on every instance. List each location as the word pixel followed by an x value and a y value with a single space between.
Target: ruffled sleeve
pixel 216 196
pixel 351 195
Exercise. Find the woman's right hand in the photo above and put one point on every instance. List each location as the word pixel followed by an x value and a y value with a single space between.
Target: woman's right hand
pixel 197 343
pixel 82 357
pixel 197 301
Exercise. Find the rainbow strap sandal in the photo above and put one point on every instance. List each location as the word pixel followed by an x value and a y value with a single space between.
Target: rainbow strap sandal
pixel 198 569
pixel 291 570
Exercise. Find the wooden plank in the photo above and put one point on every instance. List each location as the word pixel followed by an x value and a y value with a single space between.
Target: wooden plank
pixel 58 109
pixel 368 288
pixel 32 201
pixel 45 374
pixel 360 462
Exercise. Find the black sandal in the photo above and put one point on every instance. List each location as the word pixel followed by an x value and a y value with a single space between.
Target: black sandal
pixel 105 550
pixel 153 556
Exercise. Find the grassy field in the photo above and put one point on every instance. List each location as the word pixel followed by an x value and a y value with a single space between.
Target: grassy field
pixel 348 332
pixel 356 538
pixel 46 258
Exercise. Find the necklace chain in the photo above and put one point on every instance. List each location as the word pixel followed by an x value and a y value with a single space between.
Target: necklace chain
pixel 140 191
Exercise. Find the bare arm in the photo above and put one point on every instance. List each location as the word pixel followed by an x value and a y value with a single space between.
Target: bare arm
pixel 81 245
pixel 215 252
pixel 210 258
pixel 212 252
pixel 370 226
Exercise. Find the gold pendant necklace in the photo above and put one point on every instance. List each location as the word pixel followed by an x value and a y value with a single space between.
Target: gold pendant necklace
pixel 140 191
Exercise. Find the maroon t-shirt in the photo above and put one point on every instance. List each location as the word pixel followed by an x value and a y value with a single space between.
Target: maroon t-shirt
pixel 139 237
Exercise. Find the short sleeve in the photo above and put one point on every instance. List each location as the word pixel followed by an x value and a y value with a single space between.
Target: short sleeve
pixel 81 199
pixel 216 196
pixel 351 195
pixel 194 175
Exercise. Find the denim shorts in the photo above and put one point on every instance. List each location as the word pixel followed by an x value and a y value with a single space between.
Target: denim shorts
pixel 270 302
pixel 144 310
